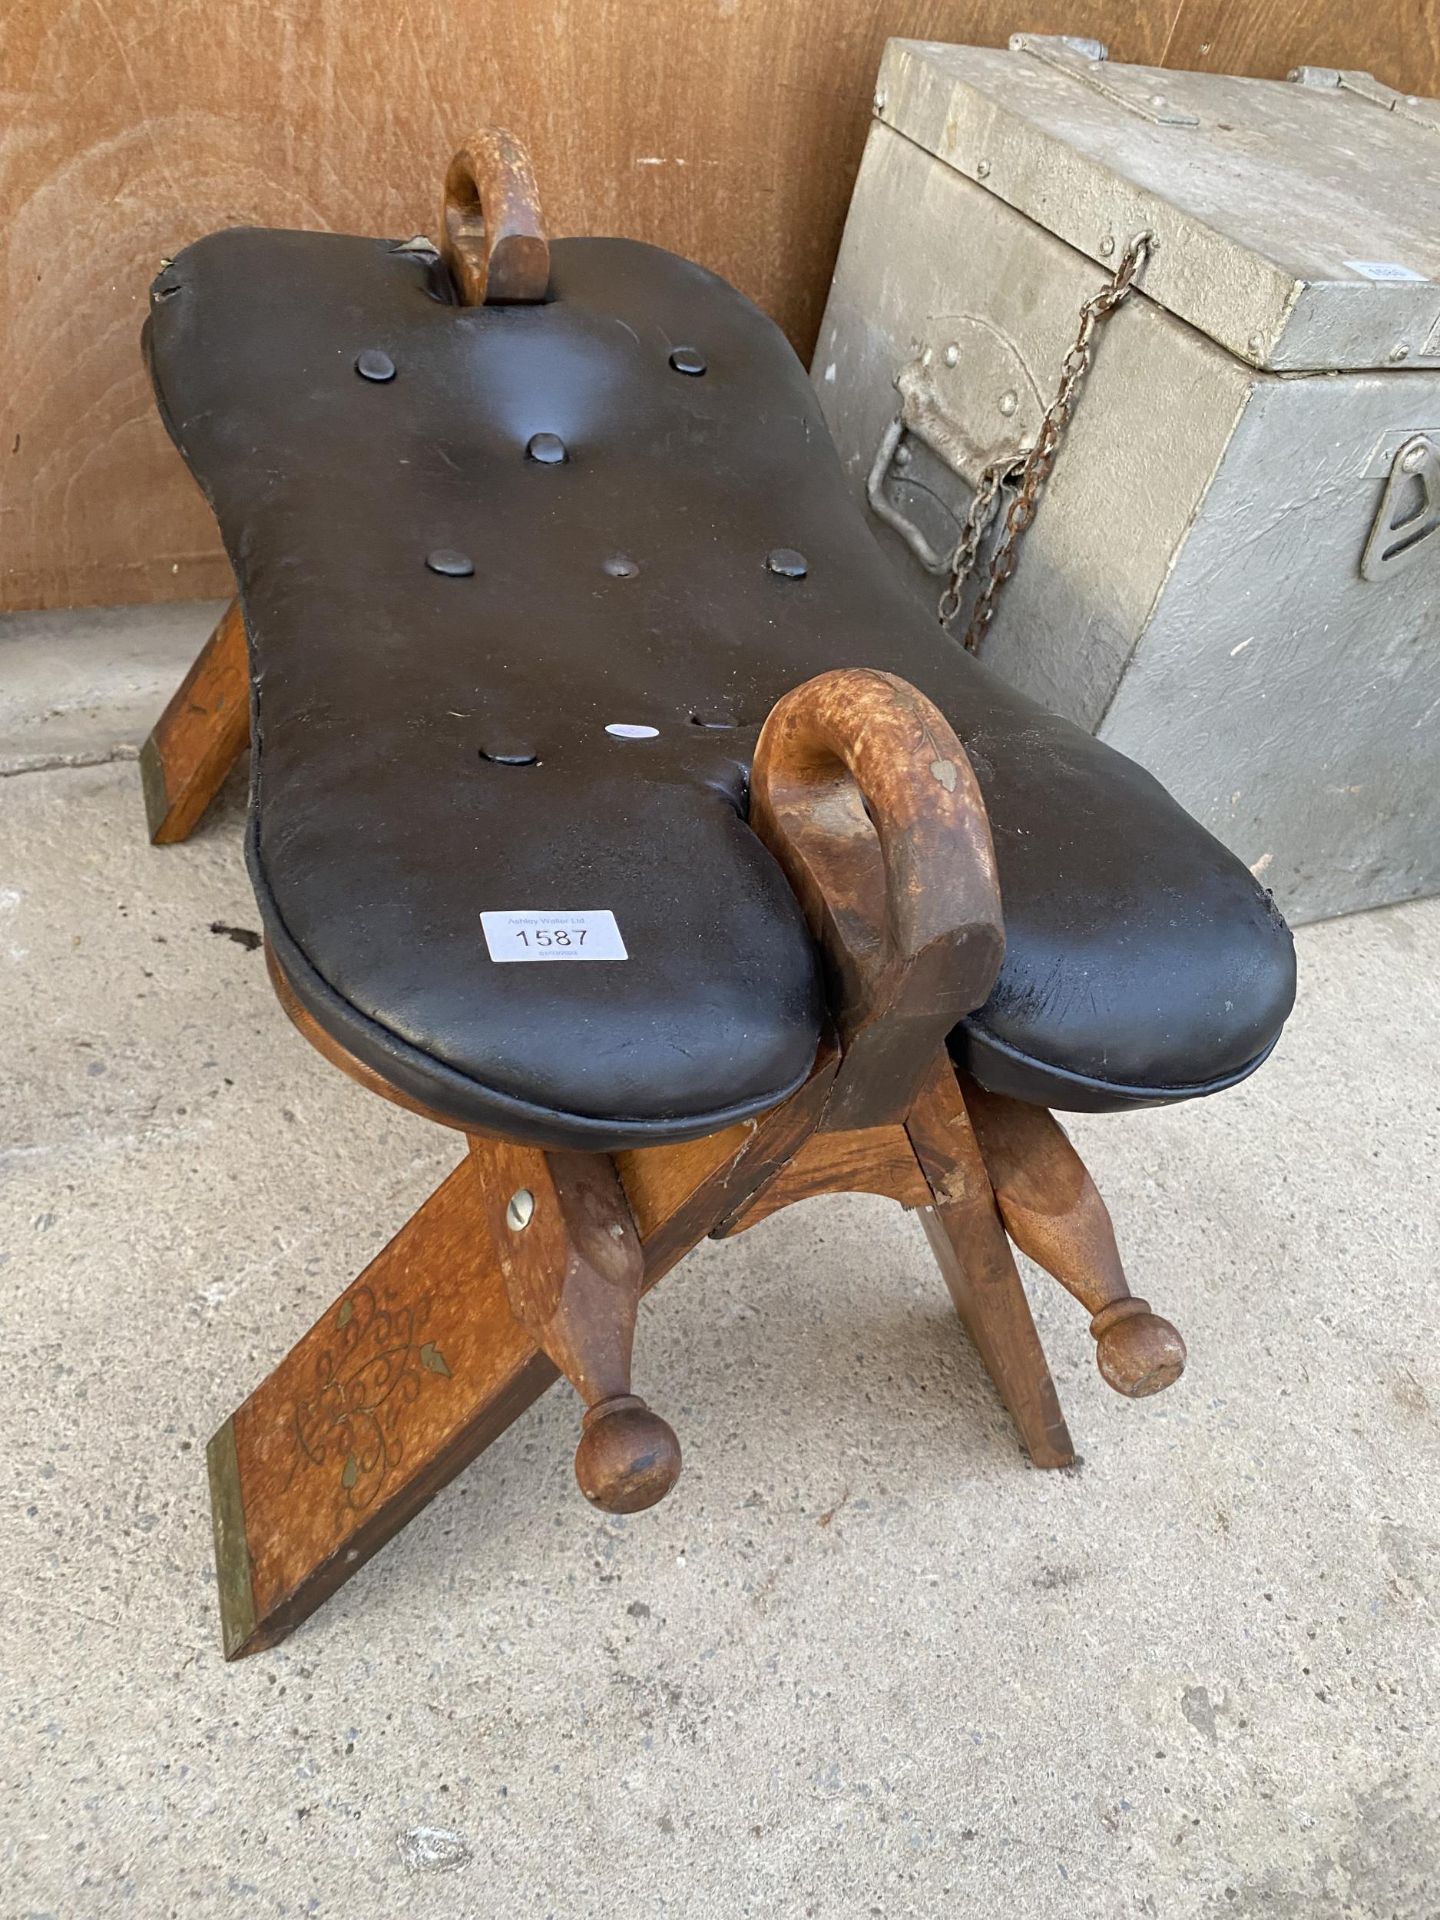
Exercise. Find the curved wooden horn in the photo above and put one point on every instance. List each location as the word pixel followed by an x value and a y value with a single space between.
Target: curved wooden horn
pixel 867 799
pixel 492 237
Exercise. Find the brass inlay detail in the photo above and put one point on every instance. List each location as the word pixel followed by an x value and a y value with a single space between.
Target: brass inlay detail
pixel 353 1419
pixel 232 1555
pixel 152 785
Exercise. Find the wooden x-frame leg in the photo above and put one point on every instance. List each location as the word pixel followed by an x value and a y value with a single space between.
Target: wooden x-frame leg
pixel 200 735
pixel 436 1348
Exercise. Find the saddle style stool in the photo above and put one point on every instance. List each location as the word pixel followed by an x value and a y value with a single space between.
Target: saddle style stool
pixel 613 804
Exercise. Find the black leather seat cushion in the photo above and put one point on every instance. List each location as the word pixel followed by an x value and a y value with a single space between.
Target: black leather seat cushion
pixel 1143 963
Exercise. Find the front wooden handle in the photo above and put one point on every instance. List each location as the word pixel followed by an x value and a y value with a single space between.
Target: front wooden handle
pixel 492 237
pixel 865 796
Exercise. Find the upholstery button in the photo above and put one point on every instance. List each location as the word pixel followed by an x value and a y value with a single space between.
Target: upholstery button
pixel 446 560
pixel 687 360
pixel 372 364
pixel 547 448
pixel 786 562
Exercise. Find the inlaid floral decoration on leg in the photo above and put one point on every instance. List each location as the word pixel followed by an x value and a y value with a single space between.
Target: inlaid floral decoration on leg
pixel 364 1383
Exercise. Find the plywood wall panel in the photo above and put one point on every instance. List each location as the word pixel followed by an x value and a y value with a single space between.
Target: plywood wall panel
pixel 727 129
pixel 1396 40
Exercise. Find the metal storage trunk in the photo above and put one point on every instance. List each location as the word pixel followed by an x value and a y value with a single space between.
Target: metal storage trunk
pixel 1232 575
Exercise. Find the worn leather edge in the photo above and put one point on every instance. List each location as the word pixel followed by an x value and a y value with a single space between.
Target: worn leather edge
pixel 1005 1070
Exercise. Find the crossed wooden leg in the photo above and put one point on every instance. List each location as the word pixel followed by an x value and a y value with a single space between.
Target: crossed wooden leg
pixel 464 1320
pixel 528 1263
pixel 200 735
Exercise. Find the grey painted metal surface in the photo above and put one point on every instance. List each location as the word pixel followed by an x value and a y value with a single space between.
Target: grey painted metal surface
pixel 1192 587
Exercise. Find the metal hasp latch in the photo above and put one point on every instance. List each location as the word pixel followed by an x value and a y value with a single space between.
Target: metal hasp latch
pixel 1088 61
pixel 1409 511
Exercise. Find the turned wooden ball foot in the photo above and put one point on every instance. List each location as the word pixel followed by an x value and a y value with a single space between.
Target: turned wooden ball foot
pixel 1138 1352
pixel 628 1458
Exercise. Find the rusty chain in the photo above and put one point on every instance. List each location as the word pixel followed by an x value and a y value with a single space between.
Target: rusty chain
pixel 1033 465
pixel 977 524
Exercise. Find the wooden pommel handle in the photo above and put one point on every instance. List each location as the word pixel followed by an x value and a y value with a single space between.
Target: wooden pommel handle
pixel 1053 1211
pixel 867 799
pixel 492 237
pixel 574 1273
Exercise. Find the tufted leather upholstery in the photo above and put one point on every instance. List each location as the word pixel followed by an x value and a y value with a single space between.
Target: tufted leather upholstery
pixel 624 583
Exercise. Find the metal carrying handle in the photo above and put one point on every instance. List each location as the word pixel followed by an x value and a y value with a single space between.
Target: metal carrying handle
pixel 884 508
pixel 913 938
pixel 1403 527
pixel 492 237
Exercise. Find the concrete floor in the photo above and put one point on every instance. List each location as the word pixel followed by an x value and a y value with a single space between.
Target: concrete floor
pixel 866 1661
